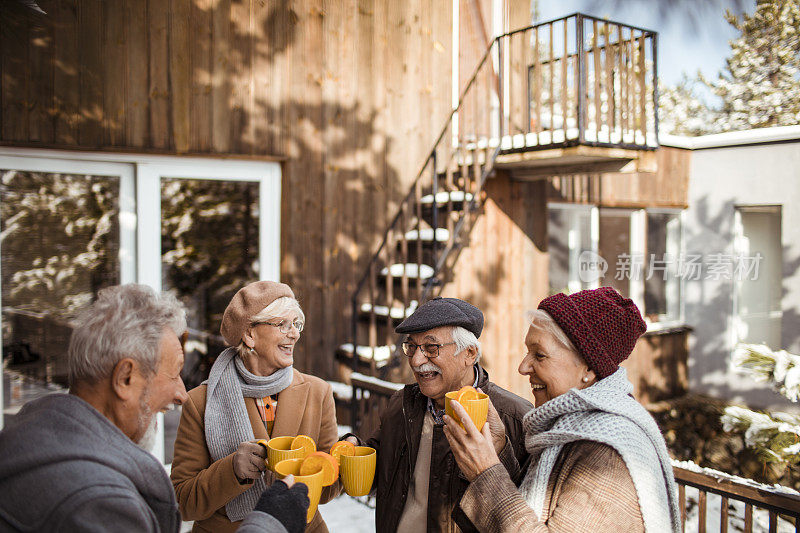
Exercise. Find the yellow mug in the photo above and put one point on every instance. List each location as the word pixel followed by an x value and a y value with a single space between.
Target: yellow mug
pixel 477 410
pixel 279 449
pixel 312 481
pixel 357 471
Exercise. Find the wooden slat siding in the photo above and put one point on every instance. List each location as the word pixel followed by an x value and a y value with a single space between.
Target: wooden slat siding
pixel 564 90
pixel 723 515
pixel 240 52
pixel 158 14
pixel 66 77
pixel 16 93
pixel 200 57
pixel 313 161
pixel 115 73
pixel 136 105
pixel 91 72
pixel 537 85
pixel 596 76
pixel 418 227
pixel 701 513
pixel 180 75
pixel 220 79
pixel 40 53
pixel 642 87
pixel 551 75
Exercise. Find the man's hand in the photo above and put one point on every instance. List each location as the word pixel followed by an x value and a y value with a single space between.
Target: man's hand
pixel 496 428
pixel 473 450
pixel 249 461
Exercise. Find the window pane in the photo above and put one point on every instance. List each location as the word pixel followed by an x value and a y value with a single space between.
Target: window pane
pixel 209 247
pixel 662 282
pixel 569 235
pixel 759 291
pixel 615 248
pixel 60 242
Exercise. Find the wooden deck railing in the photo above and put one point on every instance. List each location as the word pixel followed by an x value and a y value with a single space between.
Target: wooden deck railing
pixel 740 504
pixel 579 80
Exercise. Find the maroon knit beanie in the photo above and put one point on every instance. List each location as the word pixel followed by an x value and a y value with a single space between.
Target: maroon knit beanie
pixel 601 323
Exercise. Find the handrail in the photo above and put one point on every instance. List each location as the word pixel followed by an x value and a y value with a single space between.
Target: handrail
pixel 599 80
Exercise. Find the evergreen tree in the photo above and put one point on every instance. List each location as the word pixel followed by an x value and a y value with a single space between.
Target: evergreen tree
pixel 774 436
pixel 760 84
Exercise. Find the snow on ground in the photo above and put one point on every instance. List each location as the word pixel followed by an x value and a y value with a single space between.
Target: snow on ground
pixel 349 515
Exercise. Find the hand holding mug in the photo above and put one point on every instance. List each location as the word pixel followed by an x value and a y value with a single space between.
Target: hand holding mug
pixel 249 461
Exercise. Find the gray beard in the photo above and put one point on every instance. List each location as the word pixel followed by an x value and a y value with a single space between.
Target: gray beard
pixel 148 421
pixel 148 440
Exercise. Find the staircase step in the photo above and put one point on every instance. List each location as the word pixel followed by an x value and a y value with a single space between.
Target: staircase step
pixel 426 235
pixel 443 197
pixel 382 354
pixel 396 271
pixel 397 313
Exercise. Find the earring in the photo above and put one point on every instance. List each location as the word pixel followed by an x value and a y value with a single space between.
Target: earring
pixel 585 379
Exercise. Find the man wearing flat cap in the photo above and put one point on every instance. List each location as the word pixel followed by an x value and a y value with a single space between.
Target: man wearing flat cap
pixel 417 481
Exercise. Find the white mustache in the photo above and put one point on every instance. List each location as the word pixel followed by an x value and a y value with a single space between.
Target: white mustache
pixel 427 367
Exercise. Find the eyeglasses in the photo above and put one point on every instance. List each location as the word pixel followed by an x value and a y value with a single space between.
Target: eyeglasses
pixel 284 326
pixel 429 349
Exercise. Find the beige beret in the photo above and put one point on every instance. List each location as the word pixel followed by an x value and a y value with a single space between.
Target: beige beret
pixel 247 302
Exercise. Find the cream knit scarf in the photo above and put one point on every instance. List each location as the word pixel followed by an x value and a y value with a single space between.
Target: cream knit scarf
pixel 607 413
pixel 226 422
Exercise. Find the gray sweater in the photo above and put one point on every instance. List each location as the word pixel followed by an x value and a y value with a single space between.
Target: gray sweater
pixel 66 467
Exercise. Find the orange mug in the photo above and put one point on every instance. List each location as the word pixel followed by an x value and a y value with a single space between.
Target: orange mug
pixel 279 449
pixel 477 409
pixel 358 471
pixel 312 481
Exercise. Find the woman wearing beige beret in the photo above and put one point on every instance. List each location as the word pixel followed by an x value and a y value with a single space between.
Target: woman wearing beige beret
pixel 252 393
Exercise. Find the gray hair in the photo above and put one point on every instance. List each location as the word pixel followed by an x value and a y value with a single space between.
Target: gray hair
pixel 125 321
pixel 465 339
pixel 279 308
pixel 542 320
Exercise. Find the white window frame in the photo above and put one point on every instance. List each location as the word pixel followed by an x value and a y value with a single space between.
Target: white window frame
pixel 675 283
pixel 574 282
pixel 638 237
pixel 140 206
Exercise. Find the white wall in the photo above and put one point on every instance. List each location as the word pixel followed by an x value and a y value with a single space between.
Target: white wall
pixel 720 179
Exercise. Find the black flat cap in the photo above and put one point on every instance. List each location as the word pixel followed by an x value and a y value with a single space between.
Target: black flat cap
pixel 443 312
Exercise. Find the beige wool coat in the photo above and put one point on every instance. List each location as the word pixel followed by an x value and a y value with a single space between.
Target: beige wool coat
pixel 590 490
pixel 204 487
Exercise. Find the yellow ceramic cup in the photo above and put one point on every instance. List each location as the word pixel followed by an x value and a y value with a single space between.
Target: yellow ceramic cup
pixel 357 471
pixel 312 481
pixel 476 409
pixel 279 449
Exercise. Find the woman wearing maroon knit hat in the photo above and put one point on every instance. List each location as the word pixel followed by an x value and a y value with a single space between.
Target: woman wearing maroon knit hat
pixel 598 460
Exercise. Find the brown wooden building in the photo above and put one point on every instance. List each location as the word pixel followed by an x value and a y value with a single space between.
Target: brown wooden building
pixel 351 98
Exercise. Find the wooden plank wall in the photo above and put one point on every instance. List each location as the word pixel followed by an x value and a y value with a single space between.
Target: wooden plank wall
pixel 503 272
pixel 668 186
pixel 352 93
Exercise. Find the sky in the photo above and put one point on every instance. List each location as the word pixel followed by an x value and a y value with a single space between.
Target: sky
pixel 683 45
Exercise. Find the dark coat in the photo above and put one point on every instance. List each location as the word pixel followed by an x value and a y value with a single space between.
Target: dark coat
pixel 397 441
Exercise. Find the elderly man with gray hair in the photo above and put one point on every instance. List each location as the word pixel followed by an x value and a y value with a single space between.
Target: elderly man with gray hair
pixel 70 462
pixel 417 480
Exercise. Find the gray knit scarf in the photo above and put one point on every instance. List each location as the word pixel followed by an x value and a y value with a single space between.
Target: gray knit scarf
pixel 226 422
pixel 606 413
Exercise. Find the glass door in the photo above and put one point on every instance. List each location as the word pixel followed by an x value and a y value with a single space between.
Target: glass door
pixel 67 230
pixel 217 229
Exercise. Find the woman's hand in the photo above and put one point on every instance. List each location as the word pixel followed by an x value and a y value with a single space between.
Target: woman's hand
pixel 496 428
pixel 474 450
pixel 249 461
